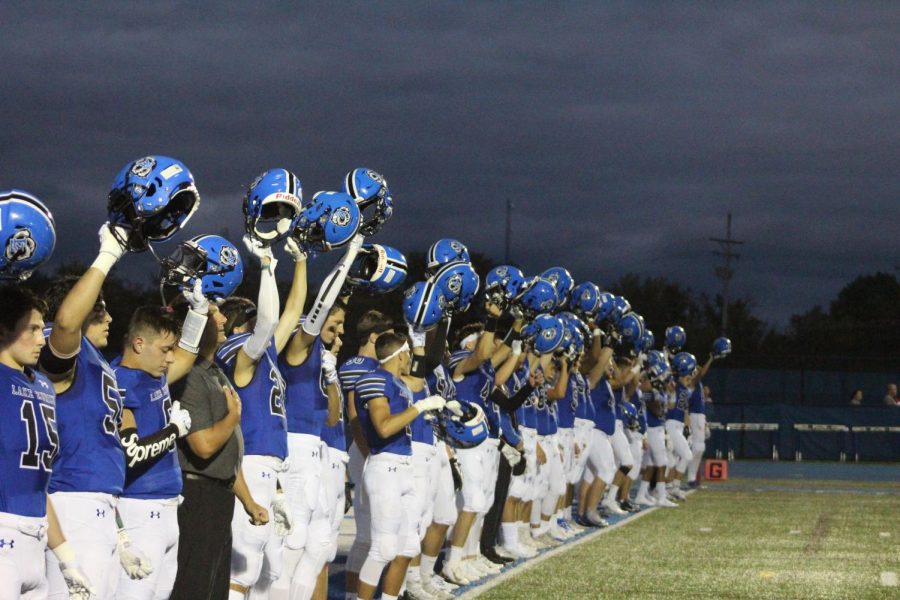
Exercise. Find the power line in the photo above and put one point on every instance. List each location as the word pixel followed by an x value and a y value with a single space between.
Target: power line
pixel 726 272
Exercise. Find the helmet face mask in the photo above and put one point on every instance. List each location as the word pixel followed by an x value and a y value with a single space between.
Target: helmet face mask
pixel 377 269
pixel 468 430
pixel 370 191
pixel 328 223
pixel 212 258
pixel 272 205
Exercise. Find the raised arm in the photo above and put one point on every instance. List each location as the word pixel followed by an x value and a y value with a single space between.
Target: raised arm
pixel 293 305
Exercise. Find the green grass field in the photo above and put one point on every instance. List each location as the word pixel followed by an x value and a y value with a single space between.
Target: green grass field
pixel 744 539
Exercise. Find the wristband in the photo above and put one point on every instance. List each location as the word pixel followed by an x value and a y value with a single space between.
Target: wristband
pixel 192 331
pixel 490 324
pixel 104 262
pixel 418 368
pixel 64 552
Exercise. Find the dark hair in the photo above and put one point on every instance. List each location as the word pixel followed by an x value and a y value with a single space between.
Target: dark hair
pixel 17 302
pixel 373 321
pixel 238 311
pixel 58 291
pixel 466 331
pixel 387 344
pixel 153 319
pixel 338 305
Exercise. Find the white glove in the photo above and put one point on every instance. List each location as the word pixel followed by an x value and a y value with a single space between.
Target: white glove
pixel 284 523
pixel 516 347
pixel 181 418
pixel 132 560
pixel 262 252
pixel 194 296
pixel 291 247
pixel 430 403
pixel 512 455
pixel 76 581
pixel 329 366
pixel 109 244
pixel 455 407
pixel 416 337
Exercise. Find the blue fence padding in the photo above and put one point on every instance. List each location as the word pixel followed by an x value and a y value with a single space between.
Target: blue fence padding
pixel 814 445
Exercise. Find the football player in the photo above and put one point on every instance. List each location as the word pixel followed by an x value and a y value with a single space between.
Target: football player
pixel 28 446
pixel 385 410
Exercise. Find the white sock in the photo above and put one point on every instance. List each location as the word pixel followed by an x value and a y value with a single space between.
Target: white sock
pixel 661 491
pixel 412 574
pixel 426 568
pixel 236 595
pixel 613 491
pixel 643 487
pixel 510 532
pixel 388 596
pixel 456 554
pixel 676 485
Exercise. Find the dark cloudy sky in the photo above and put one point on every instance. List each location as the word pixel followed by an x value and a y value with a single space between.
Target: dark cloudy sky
pixel 622 132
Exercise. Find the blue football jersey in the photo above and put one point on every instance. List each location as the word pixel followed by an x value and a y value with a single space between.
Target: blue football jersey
pixel 263 422
pixel 697 402
pixel 567 406
pixel 148 398
pixel 620 400
pixel 584 409
pixel 682 399
pixel 377 384
pixel 638 400
pixel 604 406
pixel 88 416
pixel 28 441
pixel 476 387
pixel 306 401
pixel 653 395
pixel 421 429
pixel 440 382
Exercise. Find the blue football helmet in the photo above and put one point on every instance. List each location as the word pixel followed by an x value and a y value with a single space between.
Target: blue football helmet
pixel 458 283
pixel 607 310
pixel 370 190
pixel 329 222
pixel 562 282
pixel 545 332
pixel 675 338
pixel 502 284
pixel 443 252
pixel 623 307
pixel 151 198
pixel 632 330
pixel 272 205
pixel 646 342
pixel 684 364
pixel 27 232
pixel 378 269
pixel 212 258
pixel 423 305
pixel 721 347
pixel 536 296
pixel 656 357
pixel 631 416
pixel 585 299
pixel 468 430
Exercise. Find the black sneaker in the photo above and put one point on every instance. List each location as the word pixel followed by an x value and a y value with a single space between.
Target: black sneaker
pixel 629 506
pixel 495 558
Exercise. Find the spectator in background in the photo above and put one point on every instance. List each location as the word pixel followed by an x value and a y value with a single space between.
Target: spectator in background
pixel 857 398
pixel 890 399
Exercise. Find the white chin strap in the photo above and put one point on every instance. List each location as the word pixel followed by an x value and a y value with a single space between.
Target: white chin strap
pixel 395 353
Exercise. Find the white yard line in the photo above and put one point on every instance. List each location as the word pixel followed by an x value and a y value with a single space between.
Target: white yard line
pixel 888 579
pixel 884 534
pixel 504 576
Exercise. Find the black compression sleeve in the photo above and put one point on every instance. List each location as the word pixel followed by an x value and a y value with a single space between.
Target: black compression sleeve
pixel 52 364
pixel 434 353
pixel 142 452
pixel 510 404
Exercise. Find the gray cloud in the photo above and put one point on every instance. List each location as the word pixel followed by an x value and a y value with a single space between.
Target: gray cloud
pixel 622 133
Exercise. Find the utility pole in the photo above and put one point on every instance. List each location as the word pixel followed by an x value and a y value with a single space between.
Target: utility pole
pixel 509 207
pixel 725 273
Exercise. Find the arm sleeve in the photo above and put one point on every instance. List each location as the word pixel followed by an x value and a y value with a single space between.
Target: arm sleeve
pixel 435 351
pixel 513 402
pixel 141 453
pixel 266 316
pixel 508 429
pixel 52 363
pixel 328 293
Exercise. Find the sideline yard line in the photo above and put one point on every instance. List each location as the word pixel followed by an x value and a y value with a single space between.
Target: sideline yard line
pixel 498 579
pixel 888 579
